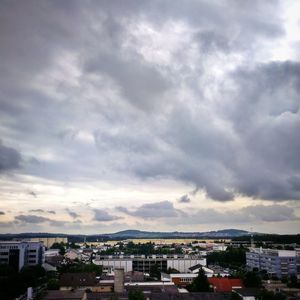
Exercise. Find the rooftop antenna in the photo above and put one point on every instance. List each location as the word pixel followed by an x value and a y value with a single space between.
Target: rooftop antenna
pixel 252 239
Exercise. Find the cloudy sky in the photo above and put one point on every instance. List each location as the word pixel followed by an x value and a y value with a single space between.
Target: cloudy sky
pixel 155 115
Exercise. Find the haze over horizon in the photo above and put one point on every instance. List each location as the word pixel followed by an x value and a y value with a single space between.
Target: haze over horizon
pixel 152 115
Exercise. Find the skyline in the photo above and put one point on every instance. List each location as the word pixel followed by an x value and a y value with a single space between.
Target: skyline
pixel 149 115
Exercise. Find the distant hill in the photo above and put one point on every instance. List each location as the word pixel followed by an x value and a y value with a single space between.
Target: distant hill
pixel 177 234
pixel 134 234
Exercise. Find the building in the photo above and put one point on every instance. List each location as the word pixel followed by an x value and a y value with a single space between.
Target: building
pixel 65 295
pixel 279 263
pixel 224 285
pixel 179 279
pixel 21 253
pixel 49 241
pixel 143 263
pixel 69 281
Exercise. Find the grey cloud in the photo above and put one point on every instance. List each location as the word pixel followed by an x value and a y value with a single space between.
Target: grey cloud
pixel 257 157
pixel 228 137
pixel 184 199
pixel 2 213
pixel 139 82
pixel 10 158
pixel 73 214
pixel 8 224
pixel 250 214
pixel 102 215
pixel 31 219
pixel 39 210
pixel 163 209
pixel 32 193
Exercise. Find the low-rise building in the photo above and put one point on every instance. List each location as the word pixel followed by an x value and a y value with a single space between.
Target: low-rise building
pixel 143 263
pixel 69 281
pixel 225 285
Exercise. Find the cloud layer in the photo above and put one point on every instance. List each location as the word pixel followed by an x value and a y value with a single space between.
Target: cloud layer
pixel 198 94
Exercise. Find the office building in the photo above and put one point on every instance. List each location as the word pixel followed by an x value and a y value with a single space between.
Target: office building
pixel 21 253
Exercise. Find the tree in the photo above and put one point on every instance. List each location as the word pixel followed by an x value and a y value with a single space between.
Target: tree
pixel 60 246
pixel 252 280
pixel 200 283
pixel 135 295
pixel 269 295
pixel 235 296
pixel 52 284
pixel 155 271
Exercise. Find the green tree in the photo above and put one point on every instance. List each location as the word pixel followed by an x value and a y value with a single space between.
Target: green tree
pixel 155 272
pixel 52 284
pixel 235 296
pixel 252 280
pixel 135 295
pixel 200 283
pixel 269 295
pixel 60 246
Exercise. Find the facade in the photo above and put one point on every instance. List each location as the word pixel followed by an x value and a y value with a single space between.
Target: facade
pixel 49 241
pixel 143 263
pixel 280 263
pixel 179 279
pixel 21 253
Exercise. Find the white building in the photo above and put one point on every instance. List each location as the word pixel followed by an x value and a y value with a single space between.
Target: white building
pixel 280 263
pixel 143 263
pixel 21 253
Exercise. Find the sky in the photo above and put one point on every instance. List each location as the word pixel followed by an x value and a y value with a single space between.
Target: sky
pixel 156 115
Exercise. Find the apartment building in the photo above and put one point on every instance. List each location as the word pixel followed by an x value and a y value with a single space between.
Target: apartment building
pixel 280 263
pixel 21 253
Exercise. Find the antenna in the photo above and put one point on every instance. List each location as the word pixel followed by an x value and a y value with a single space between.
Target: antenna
pixel 252 239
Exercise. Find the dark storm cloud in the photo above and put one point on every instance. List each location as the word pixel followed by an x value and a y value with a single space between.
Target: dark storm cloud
pixel 75 71
pixel 184 199
pixel 163 209
pixel 102 215
pixel 10 158
pixel 259 155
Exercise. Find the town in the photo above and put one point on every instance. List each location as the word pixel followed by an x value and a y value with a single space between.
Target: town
pixel 53 268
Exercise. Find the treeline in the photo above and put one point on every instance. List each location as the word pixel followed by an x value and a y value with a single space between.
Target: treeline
pixel 232 257
pixel 13 283
pixel 275 238
pixel 142 248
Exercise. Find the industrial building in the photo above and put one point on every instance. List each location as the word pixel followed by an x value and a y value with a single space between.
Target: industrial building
pixel 21 253
pixel 280 263
pixel 143 263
